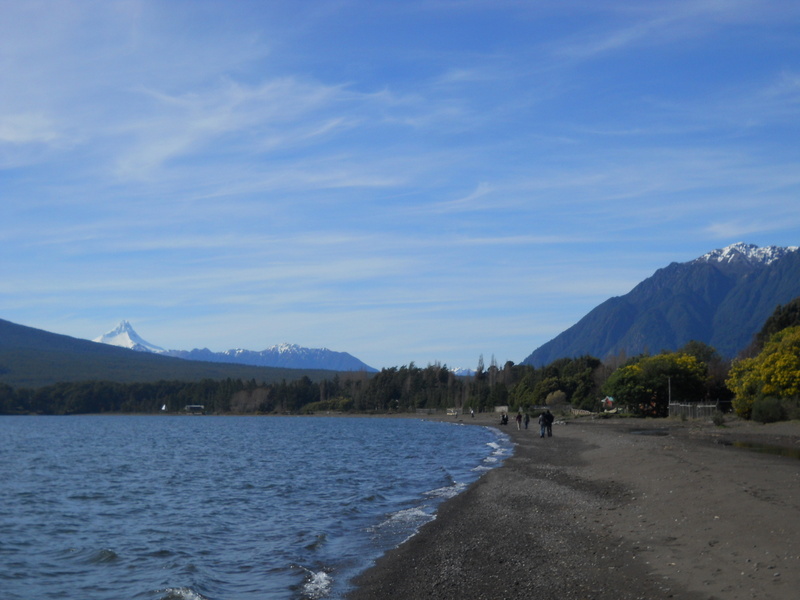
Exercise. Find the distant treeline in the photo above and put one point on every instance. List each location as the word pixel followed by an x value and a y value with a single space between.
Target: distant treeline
pixel 398 389
pixel 763 383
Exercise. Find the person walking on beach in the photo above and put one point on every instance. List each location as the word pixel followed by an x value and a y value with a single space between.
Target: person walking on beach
pixel 527 420
pixel 542 424
pixel 519 421
pixel 549 418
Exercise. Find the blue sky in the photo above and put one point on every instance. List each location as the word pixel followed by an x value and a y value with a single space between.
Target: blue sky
pixel 415 180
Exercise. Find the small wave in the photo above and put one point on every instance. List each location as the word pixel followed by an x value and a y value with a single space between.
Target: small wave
pixel 358 499
pixel 163 553
pixel 88 556
pixel 449 491
pixel 318 585
pixel 409 514
pixel 498 451
pixel 319 541
pixel 103 556
pixel 181 593
pixel 482 468
pixel 398 527
pixel 407 519
pixel 376 497
pixel 495 456
pixel 88 496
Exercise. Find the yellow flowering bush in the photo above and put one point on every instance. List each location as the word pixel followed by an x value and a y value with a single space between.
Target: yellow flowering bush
pixel 775 372
pixel 646 385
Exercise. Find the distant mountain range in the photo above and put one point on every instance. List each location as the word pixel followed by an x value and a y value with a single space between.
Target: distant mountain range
pixel 721 298
pixel 33 358
pixel 287 356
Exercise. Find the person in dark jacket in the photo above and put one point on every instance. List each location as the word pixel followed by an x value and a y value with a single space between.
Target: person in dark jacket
pixel 542 425
pixel 549 418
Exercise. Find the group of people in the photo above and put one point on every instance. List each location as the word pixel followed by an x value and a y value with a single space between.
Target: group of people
pixel 545 422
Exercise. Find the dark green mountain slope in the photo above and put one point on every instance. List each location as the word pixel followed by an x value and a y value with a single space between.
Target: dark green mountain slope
pixel 745 310
pixel 722 304
pixel 32 358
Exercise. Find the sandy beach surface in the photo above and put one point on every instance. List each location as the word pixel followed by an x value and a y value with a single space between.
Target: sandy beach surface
pixel 614 509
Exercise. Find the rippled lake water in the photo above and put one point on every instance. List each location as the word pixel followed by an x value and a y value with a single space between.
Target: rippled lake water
pixel 223 508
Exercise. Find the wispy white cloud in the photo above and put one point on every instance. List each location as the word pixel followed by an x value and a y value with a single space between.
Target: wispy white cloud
pixel 741 224
pixel 375 171
pixel 26 128
pixel 476 200
pixel 625 25
pixel 276 115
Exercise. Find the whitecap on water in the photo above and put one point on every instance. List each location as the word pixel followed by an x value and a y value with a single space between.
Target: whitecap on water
pixel 181 593
pixel 318 585
pixel 404 523
pixel 449 491
pixel 408 515
pixel 174 542
pixel 499 451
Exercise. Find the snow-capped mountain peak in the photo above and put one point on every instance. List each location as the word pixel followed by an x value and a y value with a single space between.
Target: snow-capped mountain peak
pixel 746 253
pixel 462 371
pixel 125 337
pixel 286 347
pixel 283 355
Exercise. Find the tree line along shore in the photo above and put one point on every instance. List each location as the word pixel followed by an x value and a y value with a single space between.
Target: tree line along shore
pixel 762 384
pixel 641 386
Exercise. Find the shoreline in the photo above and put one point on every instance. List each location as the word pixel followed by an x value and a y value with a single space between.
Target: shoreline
pixel 612 509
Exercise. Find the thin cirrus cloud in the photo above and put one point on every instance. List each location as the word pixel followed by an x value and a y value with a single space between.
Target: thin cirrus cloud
pixel 275 115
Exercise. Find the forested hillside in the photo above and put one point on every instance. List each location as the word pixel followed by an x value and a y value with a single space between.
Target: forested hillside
pixel 722 304
pixel 400 389
pixel 33 358
pixel 766 385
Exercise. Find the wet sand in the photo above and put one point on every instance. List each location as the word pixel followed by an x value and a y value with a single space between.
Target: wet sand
pixel 613 509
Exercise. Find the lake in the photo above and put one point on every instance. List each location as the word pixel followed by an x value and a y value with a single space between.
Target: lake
pixel 219 508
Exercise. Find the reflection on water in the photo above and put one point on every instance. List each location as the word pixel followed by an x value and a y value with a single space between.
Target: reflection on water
pixel 769 449
pixel 657 432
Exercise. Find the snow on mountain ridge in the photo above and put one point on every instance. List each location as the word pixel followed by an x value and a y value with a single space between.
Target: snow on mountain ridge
pixel 124 336
pixel 284 348
pixel 281 355
pixel 747 253
pixel 462 371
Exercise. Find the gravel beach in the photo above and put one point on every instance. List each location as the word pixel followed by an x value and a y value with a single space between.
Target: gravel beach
pixel 613 509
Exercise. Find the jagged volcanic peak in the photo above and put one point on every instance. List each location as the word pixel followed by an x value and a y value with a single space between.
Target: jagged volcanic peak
pixel 125 337
pixel 283 355
pixel 746 253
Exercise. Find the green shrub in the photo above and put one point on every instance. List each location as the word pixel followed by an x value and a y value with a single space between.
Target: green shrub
pixel 791 409
pixel 768 410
